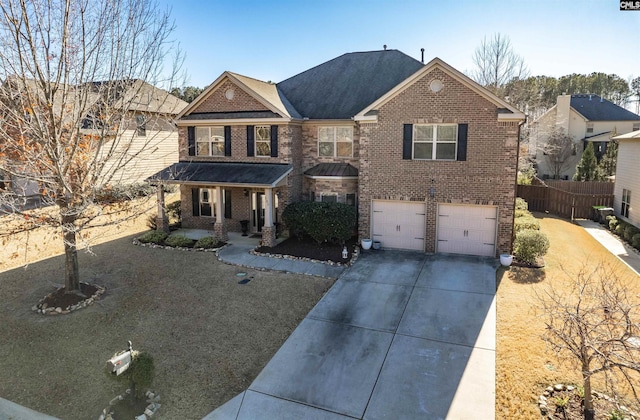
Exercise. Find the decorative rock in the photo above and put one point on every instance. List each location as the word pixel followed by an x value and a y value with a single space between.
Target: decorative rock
pixel 549 389
pixel 558 387
pixel 570 388
pixel 546 393
pixel 44 305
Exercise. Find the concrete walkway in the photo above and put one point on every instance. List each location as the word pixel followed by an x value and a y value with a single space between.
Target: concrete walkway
pixel 13 411
pixel 617 247
pixel 399 335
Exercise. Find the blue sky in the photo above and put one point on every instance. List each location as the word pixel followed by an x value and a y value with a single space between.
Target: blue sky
pixel 274 40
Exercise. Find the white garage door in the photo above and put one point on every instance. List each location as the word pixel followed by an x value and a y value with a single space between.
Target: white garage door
pixel 399 224
pixel 466 229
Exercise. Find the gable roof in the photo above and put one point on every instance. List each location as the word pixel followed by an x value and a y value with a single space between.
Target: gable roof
pixel 596 108
pixel 340 88
pixel 265 93
pixel 506 112
pixel 634 135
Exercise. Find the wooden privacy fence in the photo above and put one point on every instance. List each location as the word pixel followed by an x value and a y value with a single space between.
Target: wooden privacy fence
pixel 571 205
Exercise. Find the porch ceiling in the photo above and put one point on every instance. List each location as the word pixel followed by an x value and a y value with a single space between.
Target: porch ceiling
pixel 265 175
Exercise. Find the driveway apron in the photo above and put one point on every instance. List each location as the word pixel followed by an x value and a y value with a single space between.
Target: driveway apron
pixel 399 335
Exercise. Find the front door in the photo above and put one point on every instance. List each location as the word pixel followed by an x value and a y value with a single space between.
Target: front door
pixel 257 211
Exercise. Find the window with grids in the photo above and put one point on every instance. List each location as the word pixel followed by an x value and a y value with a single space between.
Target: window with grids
pixel 263 140
pixel 207 202
pixel 590 128
pixel 210 141
pixel 335 141
pixel 626 202
pixel 435 141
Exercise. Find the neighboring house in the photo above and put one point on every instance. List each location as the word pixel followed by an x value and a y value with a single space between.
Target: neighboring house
pixel 585 118
pixel 626 201
pixel 147 143
pixel 426 155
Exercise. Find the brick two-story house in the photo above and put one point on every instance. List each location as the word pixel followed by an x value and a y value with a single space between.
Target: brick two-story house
pixel 427 155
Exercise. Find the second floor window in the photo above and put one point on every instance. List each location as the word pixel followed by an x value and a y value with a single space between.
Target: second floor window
pixel 335 141
pixel 589 128
pixel 210 141
pixel 263 140
pixel 435 141
pixel 141 127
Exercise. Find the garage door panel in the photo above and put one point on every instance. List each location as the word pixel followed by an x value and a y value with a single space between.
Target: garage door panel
pixel 398 224
pixel 467 229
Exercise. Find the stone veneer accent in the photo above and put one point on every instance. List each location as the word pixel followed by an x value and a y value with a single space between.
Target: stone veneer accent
pixel 268 236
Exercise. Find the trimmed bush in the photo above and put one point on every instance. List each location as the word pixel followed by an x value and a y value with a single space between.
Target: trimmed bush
pixel 324 222
pixel 629 232
pixel 521 213
pixel 174 210
pixel 526 223
pixel 613 223
pixel 154 237
pixel 521 204
pixel 152 221
pixel 208 242
pixel 635 241
pixel 179 240
pixel 620 228
pixel 530 245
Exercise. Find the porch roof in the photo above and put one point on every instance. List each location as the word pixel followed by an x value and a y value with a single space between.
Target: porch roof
pixel 343 170
pixel 265 175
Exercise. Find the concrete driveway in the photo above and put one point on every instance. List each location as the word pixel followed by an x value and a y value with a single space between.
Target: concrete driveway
pixel 400 335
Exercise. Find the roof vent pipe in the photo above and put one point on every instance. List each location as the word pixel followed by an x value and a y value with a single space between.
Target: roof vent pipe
pixel 601 99
pixel 385 47
pixel 422 51
pixel 589 96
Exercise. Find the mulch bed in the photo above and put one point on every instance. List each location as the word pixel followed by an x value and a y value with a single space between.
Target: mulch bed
pixel 61 299
pixel 308 248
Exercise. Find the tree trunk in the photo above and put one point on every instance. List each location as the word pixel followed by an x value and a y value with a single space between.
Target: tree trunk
pixel 72 273
pixel 589 411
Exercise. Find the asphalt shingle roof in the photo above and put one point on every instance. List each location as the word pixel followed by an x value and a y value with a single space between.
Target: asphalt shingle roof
pixel 223 173
pixel 344 86
pixel 595 108
pixel 333 169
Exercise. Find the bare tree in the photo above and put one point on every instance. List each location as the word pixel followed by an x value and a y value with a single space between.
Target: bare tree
pixel 496 64
pixel 77 76
pixel 558 150
pixel 596 325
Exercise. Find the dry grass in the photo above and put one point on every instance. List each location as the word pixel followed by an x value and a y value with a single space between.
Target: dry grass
pixel 209 336
pixel 524 366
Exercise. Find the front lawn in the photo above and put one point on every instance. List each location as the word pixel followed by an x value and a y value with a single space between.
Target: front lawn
pixel 209 335
pixel 524 365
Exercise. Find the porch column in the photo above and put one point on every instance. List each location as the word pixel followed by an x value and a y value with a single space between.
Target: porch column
pixel 220 226
pixel 162 222
pixel 268 230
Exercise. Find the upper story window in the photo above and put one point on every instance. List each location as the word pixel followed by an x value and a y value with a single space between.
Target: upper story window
pixel 263 140
pixel 589 128
pixel 210 141
pixel 435 141
pixel 335 141
pixel 626 202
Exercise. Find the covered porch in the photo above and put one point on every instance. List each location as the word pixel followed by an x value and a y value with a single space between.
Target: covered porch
pixel 227 197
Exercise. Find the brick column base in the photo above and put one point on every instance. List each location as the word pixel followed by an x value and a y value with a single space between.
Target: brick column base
pixel 162 223
pixel 220 231
pixel 268 236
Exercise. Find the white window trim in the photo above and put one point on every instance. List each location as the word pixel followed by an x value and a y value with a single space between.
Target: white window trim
pixel 335 141
pixel 322 195
pixel 256 141
pixel 589 128
pixel 434 140
pixel 211 140
pixel 626 202
pixel 211 202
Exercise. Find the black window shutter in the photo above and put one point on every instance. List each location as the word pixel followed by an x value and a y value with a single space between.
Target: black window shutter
pixel 274 141
pixel 250 143
pixel 191 137
pixel 227 140
pixel 407 141
pixel 462 141
pixel 227 204
pixel 195 200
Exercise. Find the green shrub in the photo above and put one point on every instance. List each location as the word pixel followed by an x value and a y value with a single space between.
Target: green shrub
pixel 522 213
pixel 174 210
pixel 521 204
pixel 620 228
pixel 613 223
pixel 629 232
pixel 208 242
pixel 152 221
pixel 154 237
pixel 530 245
pixel 324 222
pixel 635 241
pixel 179 240
pixel 526 223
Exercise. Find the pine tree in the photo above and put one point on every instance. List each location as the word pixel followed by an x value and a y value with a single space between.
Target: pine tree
pixel 587 169
pixel 608 163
